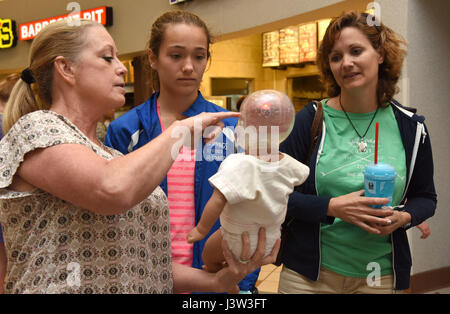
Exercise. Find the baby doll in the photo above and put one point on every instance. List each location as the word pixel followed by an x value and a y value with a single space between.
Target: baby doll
pixel 251 189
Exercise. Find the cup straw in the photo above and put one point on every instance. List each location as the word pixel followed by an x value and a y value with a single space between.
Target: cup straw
pixel 376 142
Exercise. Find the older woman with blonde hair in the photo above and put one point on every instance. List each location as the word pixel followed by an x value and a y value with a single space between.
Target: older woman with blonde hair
pixel 79 217
pixel 335 241
pixel 6 86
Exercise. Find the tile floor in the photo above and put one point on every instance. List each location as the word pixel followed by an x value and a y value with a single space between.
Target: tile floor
pixel 268 279
pixel 270 275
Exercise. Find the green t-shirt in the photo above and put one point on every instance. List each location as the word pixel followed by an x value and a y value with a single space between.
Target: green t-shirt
pixel 346 248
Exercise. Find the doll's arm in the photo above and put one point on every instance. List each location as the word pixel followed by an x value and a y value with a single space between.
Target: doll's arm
pixel 209 217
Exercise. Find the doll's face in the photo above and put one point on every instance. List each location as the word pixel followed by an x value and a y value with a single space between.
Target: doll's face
pixel 267 116
pixel 270 109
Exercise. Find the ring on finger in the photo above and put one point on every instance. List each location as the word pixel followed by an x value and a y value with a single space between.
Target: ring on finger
pixel 243 261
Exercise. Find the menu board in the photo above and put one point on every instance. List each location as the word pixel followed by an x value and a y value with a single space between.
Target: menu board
pixel 294 44
pixel 307 42
pixel 289 47
pixel 322 26
pixel 271 51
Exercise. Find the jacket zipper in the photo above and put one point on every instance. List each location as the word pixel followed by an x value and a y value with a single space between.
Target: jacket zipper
pixel 319 152
pixel 393 261
pixel 420 134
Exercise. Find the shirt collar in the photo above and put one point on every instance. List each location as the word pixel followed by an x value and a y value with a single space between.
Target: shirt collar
pixel 197 107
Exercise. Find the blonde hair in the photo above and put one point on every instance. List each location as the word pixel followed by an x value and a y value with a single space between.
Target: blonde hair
pixel 57 39
pixel 6 86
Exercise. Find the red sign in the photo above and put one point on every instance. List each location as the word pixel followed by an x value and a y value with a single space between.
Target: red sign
pixel 102 15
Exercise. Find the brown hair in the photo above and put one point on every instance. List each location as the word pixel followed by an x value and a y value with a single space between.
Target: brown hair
pixel 382 38
pixel 6 86
pixel 57 39
pixel 158 30
pixel 239 102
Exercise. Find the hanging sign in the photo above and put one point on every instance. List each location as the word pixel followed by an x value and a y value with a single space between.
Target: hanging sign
pixel 308 42
pixel 271 49
pixel 102 15
pixel 322 26
pixel 289 48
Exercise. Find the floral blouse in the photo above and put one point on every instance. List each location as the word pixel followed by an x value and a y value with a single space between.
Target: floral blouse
pixel 54 246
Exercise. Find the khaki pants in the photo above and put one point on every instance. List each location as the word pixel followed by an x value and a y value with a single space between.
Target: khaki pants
pixel 330 282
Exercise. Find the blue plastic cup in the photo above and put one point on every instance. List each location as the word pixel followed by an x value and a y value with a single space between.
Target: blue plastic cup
pixel 379 181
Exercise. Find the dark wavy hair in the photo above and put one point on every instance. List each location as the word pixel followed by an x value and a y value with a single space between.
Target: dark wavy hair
pixel 382 38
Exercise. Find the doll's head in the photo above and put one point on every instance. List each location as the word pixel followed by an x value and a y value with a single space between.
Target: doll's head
pixel 267 116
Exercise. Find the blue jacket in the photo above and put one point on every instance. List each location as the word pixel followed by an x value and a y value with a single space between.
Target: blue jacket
pixel 140 125
pixel 307 210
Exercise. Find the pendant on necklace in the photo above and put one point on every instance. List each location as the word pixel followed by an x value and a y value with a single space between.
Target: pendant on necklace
pixel 362 145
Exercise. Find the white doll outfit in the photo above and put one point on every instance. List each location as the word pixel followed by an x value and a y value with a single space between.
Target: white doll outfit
pixel 257 194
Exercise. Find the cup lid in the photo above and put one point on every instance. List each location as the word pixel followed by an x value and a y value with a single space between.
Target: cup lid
pixel 380 170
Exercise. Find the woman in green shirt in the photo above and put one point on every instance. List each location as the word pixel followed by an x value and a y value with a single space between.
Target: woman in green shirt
pixel 336 242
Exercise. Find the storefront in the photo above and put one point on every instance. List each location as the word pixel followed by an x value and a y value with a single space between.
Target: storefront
pixel 281 59
pixel 25 32
pixel 262 54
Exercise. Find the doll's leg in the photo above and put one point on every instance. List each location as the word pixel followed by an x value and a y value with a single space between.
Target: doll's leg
pixel 212 253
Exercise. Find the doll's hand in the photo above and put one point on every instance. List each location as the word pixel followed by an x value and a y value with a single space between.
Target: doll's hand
pixel 194 235
pixel 425 229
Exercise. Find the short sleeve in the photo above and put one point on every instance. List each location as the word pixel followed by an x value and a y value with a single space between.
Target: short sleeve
pixel 300 171
pixel 233 177
pixel 39 129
